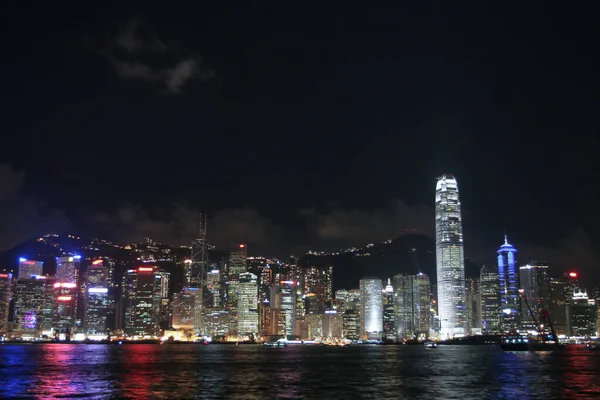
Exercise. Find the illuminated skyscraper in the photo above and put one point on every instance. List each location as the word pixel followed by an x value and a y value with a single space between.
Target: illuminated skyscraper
pixel 96 300
pixel 29 302
pixel 27 268
pixel 67 269
pixel 140 302
pixel 65 309
pixel 5 294
pixel 183 310
pixel 490 300
pixel 413 305
pixel 247 307
pixel 450 259
pixel 508 282
pixel 236 266
pixel 389 325
pixel 371 316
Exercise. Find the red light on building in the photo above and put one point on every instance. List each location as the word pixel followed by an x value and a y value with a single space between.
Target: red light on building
pixel 242 246
pixel 63 298
pixel 28 262
pixel 3 275
pixel 97 262
pixel 145 269
pixel 573 274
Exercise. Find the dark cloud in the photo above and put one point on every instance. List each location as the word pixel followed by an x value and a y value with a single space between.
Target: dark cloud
pixel 135 52
pixel 23 216
pixel 362 226
pixel 179 225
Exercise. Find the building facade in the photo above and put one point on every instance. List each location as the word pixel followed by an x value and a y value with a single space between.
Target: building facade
pixel 371 316
pixel 450 259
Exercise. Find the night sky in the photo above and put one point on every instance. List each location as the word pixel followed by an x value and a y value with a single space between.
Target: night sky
pixel 308 126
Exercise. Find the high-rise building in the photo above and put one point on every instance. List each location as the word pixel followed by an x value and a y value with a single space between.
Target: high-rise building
pixel 472 295
pixel 389 324
pixel 235 266
pixel 27 268
pixel 140 302
pixel 96 300
pixel 65 309
pixel 371 317
pixel 489 300
pixel 28 305
pixel 560 291
pixel 508 281
pixel 413 305
pixel 583 315
pixel 450 259
pixel 237 260
pixel 318 282
pixel 535 283
pixel 183 310
pixel 247 307
pixel 213 285
pixel 5 295
pixel 67 269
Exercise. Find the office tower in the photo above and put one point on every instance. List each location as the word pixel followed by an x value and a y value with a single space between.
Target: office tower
pixel 264 317
pixel 472 296
pixel 318 282
pixel 413 305
pixel 47 317
pixel 559 292
pixel 213 285
pixel 29 303
pixel 283 299
pixel 139 302
pixel 354 300
pixel 237 260
pixel 96 300
pixel 371 317
pixel 5 295
pixel 535 283
pixel 255 265
pixel 183 310
pixel 162 302
pixel 266 280
pixel 351 324
pixel 508 283
pixel 490 300
pixel 583 314
pixel 389 324
pixel 247 307
pixel 27 268
pixel 333 325
pixel 449 259
pixel 64 309
pixel 67 269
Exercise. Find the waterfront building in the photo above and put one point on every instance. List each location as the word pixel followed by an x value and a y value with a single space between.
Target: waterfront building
pixel 96 300
pixel 490 300
pixel 412 306
pixel 450 259
pixel 389 324
pixel 247 307
pixel 508 281
pixel 371 316
pixel 535 284
pixel 140 299
pixel 5 295
pixel 28 306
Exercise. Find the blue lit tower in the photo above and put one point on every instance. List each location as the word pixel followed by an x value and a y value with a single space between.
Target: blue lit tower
pixel 508 281
pixel 450 263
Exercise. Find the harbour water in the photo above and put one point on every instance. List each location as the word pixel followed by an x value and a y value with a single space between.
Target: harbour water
pixel 303 372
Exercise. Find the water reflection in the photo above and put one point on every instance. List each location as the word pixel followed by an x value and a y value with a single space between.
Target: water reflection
pixel 254 372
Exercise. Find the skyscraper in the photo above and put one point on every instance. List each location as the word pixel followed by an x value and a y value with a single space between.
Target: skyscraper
pixel 96 300
pixel 508 281
pixel 371 316
pixel 247 307
pixel 27 268
pixel 535 282
pixel 67 269
pixel 490 301
pixel 449 259
pixel 389 324
pixel 139 300
pixel 5 293
pixel 413 305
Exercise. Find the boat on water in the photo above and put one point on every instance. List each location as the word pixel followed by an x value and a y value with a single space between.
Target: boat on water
pixel 279 343
pixel 430 345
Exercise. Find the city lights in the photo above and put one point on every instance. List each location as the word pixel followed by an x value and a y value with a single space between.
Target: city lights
pixel 63 298
pixel 65 285
pixel 98 290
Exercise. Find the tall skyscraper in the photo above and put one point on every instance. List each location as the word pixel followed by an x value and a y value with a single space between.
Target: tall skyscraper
pixel 450 259
pixel 490 300
pixel 29 302
pixel 237 260
pixel 535 282
pixel 371 316
pixel 27 268
pixel 96 300
pixel 389 324
pixel 247 307
pixel 508 281
pixel 413 305
pixel 140 301
pixel 5 294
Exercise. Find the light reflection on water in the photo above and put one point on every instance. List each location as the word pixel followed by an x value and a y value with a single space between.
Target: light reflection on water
pixel 253 372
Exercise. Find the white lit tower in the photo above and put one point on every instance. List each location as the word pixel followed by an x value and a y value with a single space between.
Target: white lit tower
pixel 450 259
pixel 196 273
